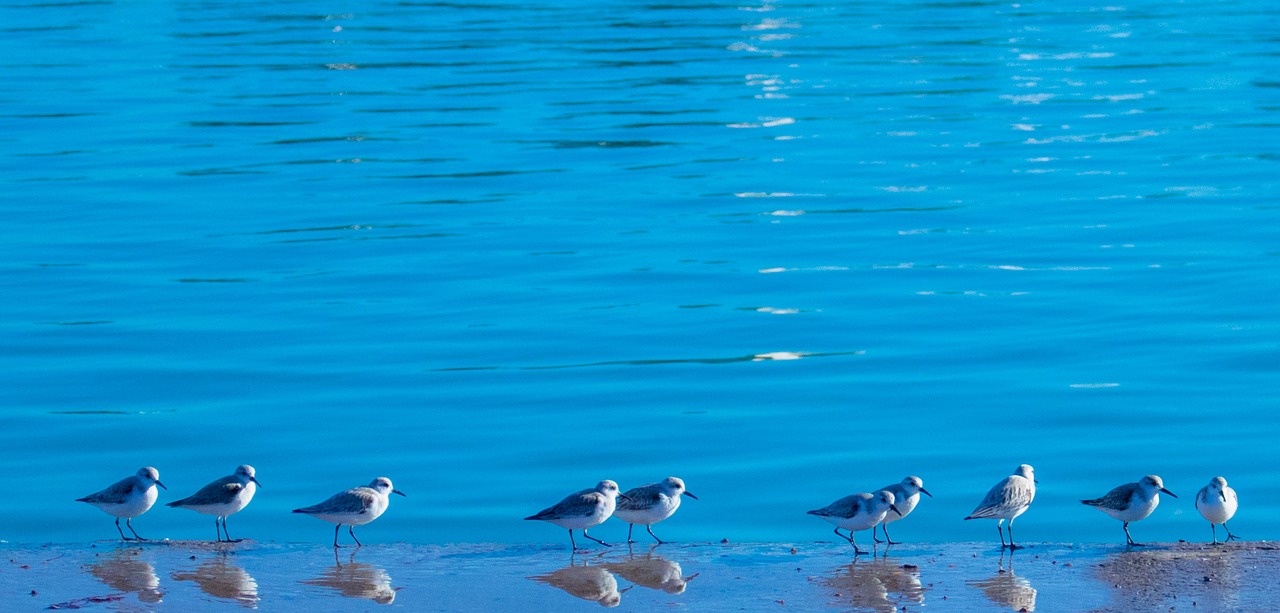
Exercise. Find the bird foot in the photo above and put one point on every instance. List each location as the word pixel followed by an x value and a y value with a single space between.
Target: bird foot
pixel 1232 537
pixel 1012 547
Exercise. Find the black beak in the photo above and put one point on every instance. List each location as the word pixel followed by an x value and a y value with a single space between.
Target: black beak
pixel 895 509
pixel 398 492
pixel 926 492
pixel 255 480
pixel 1222 495
pixel 1168 492
pixel 624 497
pixel 690 494
pixel 161 485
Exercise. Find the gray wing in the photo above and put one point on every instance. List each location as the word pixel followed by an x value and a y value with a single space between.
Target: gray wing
pixel 899 492
pixel 1008 494
pixel 354 500
pixel 580 504
pixel 1119 498
pixel 641 498
pixel 116 493
pixel 845 507
pixel 218 492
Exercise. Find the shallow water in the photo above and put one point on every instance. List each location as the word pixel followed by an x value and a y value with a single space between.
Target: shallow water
pixel 497 252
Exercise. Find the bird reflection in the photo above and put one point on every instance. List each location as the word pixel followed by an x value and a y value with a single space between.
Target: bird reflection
pixel 357 580
pixel 1007 589
pixel 122 570
pixel 652 572
pixel 593 583
pixel 219 578
pixel 878 584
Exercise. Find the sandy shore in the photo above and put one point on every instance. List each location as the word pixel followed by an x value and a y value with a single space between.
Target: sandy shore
pixel 198 576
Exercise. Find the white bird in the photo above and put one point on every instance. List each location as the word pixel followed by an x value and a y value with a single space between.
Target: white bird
pixel 650 504
pixel 906 495
pixel 128 498
pixel 582 510
pixel 1131 502
pixel 857 512
pixel 1217 503
pixel 222 498
pixel 354 507
pixel 1008 499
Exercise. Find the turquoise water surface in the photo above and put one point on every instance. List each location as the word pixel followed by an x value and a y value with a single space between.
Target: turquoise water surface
pixel 498 252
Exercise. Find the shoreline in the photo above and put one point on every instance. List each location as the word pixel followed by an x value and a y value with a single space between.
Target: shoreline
pixel 204 576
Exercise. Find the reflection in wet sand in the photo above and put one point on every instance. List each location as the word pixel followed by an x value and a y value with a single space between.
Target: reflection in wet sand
pixel 652 572
pixel 357 580
pixel 586 582
pixel 219 578
pixel 879 584
pixel 1007 589
pixel 123 570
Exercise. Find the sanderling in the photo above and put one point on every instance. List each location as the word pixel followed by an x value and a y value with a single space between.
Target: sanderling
pixel 650 504
pixel 906 495
pixel 582 510
pixel 1131 501
pixel 128 498
pixel 354 507
pixel 1007 500
pixel 222 498
pixel 1217 503
pixel 857 512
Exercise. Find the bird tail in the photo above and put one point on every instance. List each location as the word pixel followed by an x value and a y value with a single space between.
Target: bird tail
pixel 1093 503
pixel 818 512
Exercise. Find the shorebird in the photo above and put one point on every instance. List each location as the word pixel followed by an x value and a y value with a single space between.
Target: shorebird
pixel 128 498
pixel 857 512
pixel 906 495
pixel 222 497
pixel 1131 502
pixel 650 504
pixel 1217 503
pixel 582 510
pixel 354 507
pixel 1007 500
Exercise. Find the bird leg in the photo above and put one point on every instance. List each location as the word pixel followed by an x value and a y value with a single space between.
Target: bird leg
pixel 887 539
pixel 1000 531
pixel 226 532
pixel 129 523
pixel 122 536
pixel 217 530
pixel 655 537
pixel 335 536
pixel 630 527
pixel 584 533
pixel 352 530
pixel 1215 533
pixel 1132 543
pixel 1230 536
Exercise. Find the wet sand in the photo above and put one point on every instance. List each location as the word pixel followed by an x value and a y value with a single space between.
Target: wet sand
pixel 199 576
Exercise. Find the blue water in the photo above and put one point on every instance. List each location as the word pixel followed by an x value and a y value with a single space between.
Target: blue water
pixel 498 252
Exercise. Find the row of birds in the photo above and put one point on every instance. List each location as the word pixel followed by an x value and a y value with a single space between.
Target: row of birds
pixel 653 503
